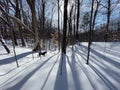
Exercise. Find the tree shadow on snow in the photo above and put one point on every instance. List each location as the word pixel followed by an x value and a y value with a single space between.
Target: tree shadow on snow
pixel 4 53
pixel 61 78
pixel 103 78
pixel 74 71
pixel 108 49
pixel 101 56
pixel 49 73
pixel 12 59
pixel 104 69
pixel 108 70
pixel 18 85
pixel 76 65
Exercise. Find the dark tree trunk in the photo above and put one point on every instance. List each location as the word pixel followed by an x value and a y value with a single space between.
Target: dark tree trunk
pixel 13 32
pixel 19 16
pixel 59 26
pixel 43 19
pixel 78 15
pixel 90 32
pixel 94 18
pixel 74 32
pixel 15 39
pixel 64 27
pixel 70 26
pixel 4 45
pixel 31 4
pixel 108 19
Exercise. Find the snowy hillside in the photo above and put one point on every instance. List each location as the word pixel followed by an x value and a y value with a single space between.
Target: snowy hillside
pixel 45 72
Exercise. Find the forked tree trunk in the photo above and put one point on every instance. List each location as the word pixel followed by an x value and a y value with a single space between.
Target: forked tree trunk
pixel 90 32
pixel 31 4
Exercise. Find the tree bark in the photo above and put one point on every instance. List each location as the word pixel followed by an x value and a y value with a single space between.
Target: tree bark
pixel 31 4
pixel 59 26
pixel 17 10
pixel 70 26
pixel 108 19
pixel 94 18
pixel 90 32
pixel 64 27
pixel 4 45
pixel 78 15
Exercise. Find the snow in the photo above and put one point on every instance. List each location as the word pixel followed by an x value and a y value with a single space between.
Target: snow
pixel 56 71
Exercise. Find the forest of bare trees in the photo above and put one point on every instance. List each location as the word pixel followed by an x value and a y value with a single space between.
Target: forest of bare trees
pixel 49 24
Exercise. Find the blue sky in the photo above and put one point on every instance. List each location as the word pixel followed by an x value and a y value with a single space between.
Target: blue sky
pixel 86 7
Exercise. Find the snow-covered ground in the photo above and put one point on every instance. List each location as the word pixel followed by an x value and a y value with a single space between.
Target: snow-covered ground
pixel 45 72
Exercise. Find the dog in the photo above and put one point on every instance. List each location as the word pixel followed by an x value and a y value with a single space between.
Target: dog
pixel 42 53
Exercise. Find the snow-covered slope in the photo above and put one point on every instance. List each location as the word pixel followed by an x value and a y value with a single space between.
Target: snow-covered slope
pixel 56 72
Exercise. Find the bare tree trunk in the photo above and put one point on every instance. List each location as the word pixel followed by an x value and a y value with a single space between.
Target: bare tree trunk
pixel 43 20
pixel 70 26
pixel 4 45
pixel 51 21
pixel 64 27
pixel 14 34
pixel 96 12
pixel 59 26
pixel 14 46
pixel 43 14
pixel 92 24
pixel 90 32
pixel 74 28
pixel 17 10
pixel 32 7
pixel 108 19
pixel 94 18
pixel 78 15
